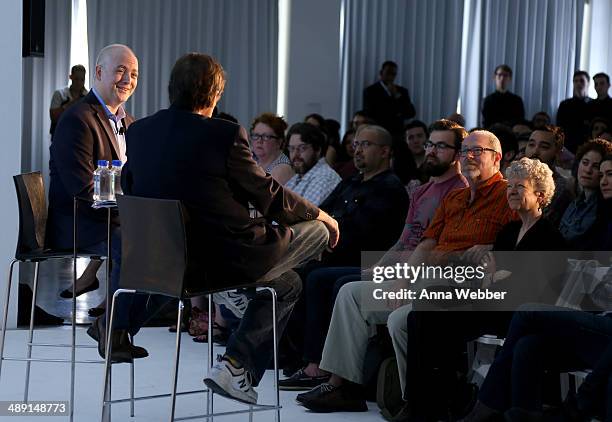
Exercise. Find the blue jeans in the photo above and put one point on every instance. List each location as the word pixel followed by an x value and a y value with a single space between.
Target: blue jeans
pixel 543 337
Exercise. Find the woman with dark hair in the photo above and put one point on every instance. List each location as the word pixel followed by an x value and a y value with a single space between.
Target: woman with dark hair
pixel 267 143
pixel 344 164
pixel 580 222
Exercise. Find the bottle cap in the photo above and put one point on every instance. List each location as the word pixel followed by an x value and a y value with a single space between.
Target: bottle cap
pixel 103 163
pixel 117 163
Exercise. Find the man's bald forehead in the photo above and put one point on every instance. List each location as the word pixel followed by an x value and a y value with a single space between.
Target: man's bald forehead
pixel 110 51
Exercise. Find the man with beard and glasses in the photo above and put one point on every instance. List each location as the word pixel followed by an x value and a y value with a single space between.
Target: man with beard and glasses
pixel 354 313
pixel 314 179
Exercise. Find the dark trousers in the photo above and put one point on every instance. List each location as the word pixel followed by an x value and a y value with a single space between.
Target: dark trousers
pixel 437 341
pixel 322 286
pixel 542 338
pixel 130 310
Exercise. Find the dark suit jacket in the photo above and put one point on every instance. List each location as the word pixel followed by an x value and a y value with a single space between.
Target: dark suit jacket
pixel 388 112
pixel 82 137
pixel 207 164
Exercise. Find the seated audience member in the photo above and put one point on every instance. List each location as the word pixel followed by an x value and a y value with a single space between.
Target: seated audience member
pixel 374 198
pixel 522 128
pixel 314 179
pixel 442 163
pixel 546 145
pixel 402 163
pixel 579 225
pixel 598 126
pixel 457 118
pixel 212 170
pixel 345 165
pixel 508 142
pixel 267 141
pixel 416 135
pixel 332 129
pixel 540 120
pixel 502 106
pixel 362 117
pixel 530 190
pixel 374 195
pixel 465 224
pixel 316 120
pixel 573 113
pixel 547 338
pixel 605 184
pixel 602 105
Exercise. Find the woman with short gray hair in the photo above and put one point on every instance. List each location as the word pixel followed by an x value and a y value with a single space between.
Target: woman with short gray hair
pixel 530 189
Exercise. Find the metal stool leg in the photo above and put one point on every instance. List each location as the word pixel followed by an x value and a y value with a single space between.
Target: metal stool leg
pixel 132 383
pixel 275 350
pixel 31 333
pixel 177 355
pixel 106 396
pixel 5 312
pixel 73 336
pixel 210 346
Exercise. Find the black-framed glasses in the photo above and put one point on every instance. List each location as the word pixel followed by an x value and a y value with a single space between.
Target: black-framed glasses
pixel 263 136
pixel 298 148
pixel 476 151
pixel 439 146
pixel 365 144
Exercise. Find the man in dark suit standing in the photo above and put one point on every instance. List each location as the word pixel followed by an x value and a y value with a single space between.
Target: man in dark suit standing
pixel 91 130
pixel 182 153
pixel 388 104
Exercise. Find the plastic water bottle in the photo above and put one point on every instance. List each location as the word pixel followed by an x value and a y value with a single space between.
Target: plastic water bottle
pixel 116 176
pixel 100 185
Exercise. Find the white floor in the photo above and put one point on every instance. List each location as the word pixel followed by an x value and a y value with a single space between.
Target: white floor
pixel 51 381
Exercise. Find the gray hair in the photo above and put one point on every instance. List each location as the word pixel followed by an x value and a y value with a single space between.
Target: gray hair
pixel 538 173
pixel 493 140
pixel 384 135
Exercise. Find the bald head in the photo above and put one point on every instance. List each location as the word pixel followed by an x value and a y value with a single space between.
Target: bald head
pixel 109 51
pixel 116 75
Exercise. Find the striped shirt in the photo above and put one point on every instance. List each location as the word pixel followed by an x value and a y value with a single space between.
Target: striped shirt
pixel 459 225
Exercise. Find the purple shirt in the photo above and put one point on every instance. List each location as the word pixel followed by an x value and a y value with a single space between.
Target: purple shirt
pixel 425 200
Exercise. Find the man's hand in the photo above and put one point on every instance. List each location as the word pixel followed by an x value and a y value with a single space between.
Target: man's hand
pixel 476 253
pixel 332 227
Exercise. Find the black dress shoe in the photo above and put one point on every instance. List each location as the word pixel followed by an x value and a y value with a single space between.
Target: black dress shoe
pixel 327 398
pixel 122 349
pixel 301 381
pixel 67 294
pixel 96 312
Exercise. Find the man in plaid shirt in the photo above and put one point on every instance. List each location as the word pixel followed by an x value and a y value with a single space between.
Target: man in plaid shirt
pixel 314 179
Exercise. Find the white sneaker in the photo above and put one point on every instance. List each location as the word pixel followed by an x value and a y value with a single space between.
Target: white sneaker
pixel 237 303
pixel 231 382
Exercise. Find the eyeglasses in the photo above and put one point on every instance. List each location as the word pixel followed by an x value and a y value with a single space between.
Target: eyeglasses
pixel 298 148
pixel 263 136
pixel 364 144
pixel 476 151
pixel 440 146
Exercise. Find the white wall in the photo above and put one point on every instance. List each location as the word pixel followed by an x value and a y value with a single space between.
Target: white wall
pixel 313 80
pixel 10 122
